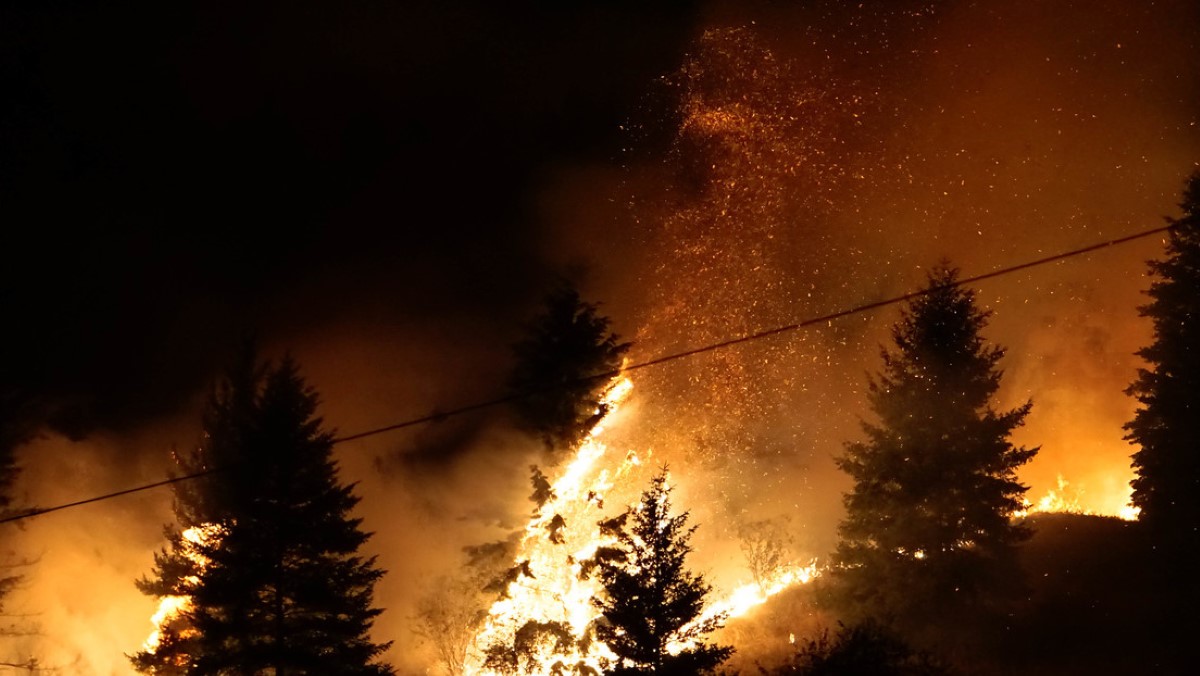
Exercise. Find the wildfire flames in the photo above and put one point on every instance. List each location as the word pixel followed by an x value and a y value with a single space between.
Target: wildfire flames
pixel 171 609
pixel 549 582
pixel 749 596
pixel 561 534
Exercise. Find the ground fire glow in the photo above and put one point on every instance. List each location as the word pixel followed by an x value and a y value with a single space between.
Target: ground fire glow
pixel 749 596
pixel 1068 499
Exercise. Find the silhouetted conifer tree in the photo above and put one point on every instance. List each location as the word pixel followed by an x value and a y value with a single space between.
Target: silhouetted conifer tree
pixel 1166 426
pixel 928 524
pixel 569 342
pixel 276 585
pixel 200 505
pixel 651 600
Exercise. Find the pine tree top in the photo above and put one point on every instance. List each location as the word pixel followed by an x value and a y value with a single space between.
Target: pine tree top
pixel 938 346
pixel 555 378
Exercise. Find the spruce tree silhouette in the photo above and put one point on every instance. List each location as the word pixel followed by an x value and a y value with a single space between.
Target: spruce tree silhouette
pixel 927 526
pixel 1166 429
pixel 275 583
pixel 651 601
pixel 556 398
pixel 1166 426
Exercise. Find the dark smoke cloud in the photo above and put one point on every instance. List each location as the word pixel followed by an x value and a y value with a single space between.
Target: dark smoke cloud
pixel 175 175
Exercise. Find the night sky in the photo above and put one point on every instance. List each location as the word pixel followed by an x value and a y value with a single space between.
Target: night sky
pixel 387 189
pixel 178 174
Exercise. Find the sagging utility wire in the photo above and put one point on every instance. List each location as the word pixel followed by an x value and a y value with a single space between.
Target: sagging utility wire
pixel 712 347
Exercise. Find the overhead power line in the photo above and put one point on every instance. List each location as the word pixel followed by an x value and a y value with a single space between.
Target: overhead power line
pixel 38 511
pixel 751 337
pixel 712 347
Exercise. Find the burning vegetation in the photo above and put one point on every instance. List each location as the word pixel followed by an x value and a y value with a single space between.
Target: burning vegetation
pixel 765 205
pixel 170 620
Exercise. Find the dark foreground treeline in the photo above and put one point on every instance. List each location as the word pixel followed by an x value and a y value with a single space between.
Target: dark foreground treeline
pixel 1100 599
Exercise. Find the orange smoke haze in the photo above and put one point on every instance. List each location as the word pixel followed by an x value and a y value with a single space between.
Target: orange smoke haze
pixel 80 604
